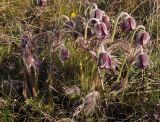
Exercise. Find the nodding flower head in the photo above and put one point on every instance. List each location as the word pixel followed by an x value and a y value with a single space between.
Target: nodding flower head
pixel 104 58
pixel 107 21
pixel 42 2
pixel 129 23
pixel 143 38
pixel 70 24
pixel 143 60
pixel 64 53
pixel 101 30
pixel 97 13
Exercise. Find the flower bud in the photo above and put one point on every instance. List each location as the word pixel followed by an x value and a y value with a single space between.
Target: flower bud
pixel 104 59
pixel 143 61
pixel 42 2
pixel 143 38
pixel 107 21
pixel 96 13
pixel 64 53
pixel 129 23
pixel 101 30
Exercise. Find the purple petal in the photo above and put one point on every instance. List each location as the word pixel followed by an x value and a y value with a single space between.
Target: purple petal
pixel 107 21
pixel 143 38
pixel 104 60
pixel 132 23
pixel 129 24
pixel 42 2
pixel 96 13
pixel 143 61
pixel 101 30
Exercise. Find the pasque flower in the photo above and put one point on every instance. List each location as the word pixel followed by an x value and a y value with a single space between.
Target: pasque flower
pixel 107 21
pixel 143 60
pixel 96 13
pixel 143 38
pixel 104 58
pixel 64 53
pixel 42 2
pixel 101 30
pixel 128 23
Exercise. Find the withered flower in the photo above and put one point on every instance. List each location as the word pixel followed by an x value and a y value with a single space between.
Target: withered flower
pixel 143 61
pixel 107 21
pixel 91 101
pixel 143 38
pixel 129 23
pixel 72 92
pixel 101 30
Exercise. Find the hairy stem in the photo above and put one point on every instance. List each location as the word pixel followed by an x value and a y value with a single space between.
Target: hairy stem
pixel 126 80
pixel 120 72
pixel 101 79
pixel 85 34
pixel 90 8
pixel 134 33
pixel 63 16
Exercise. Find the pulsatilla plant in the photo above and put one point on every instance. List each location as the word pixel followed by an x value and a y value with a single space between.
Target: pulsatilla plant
pixel 104 58
pixel 32 64
pixel 130 51
pixel 94 33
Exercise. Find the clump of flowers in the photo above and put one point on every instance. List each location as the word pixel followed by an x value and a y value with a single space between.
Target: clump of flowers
pixel 94 33
pixel 100 25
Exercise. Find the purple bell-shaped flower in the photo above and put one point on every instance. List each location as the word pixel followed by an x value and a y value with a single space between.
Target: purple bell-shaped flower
pixel 42 2
pixel 129 23
pixel 107 21
pixel 143 60
pixel 143 38
pixel 64 53
pixel 97 13
pixel 104 59
pixel 101 30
